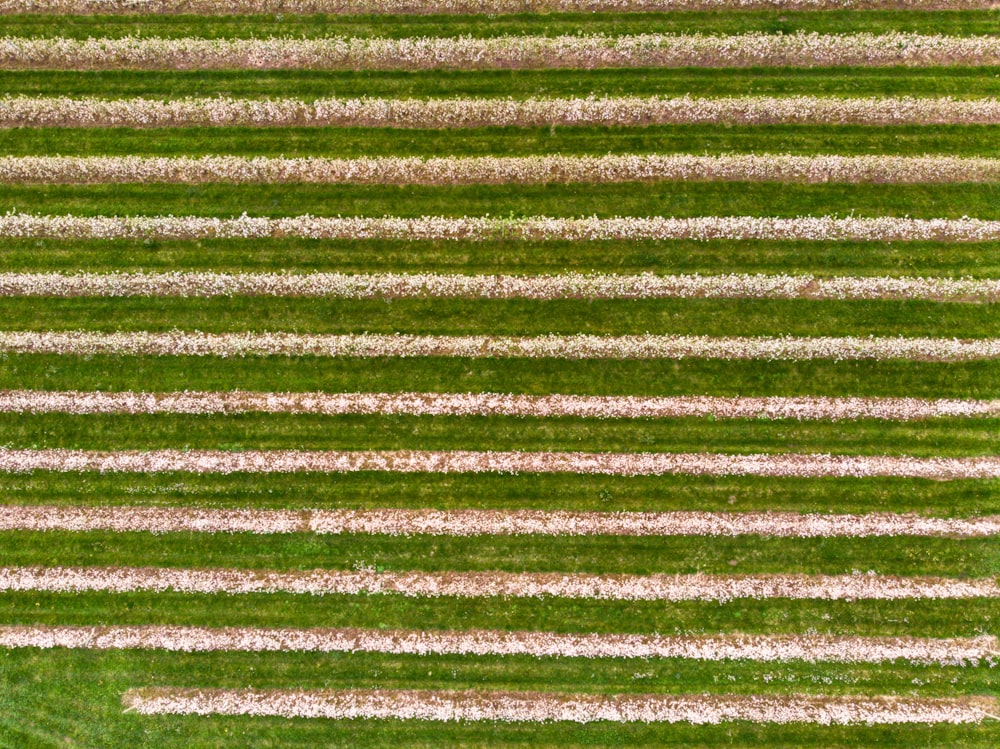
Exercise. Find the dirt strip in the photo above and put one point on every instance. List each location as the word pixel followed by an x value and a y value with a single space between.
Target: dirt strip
pixel 490 7
pixel 492 404
pixel 547 706
pixel 499 170
pixel 481 228
pixel 697 587
pixel 543 287
pixel 810 465
pixel 766 648
pixel 29 111
pixel 506 52
pixel 397 522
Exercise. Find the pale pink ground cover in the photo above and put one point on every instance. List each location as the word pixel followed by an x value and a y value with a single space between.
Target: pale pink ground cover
pixel 399 522
pixel 547 706
pixel 657 587
pixel 765 648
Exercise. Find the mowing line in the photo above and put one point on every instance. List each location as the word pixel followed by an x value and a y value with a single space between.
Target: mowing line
pixel 505 52
pixel 29 111
pixel 533 707
pixel 815 465
pixel 396 522
pixel 764 648
pixel 541 287
pixel 490 7
pixel 788 348
pixel 492 404
pixel 657 587
pixel 499 170
pixel 481 228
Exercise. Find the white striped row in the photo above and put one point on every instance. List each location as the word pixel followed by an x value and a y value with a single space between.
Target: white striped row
pixel 505 52
pixel 492 404
pixel 490 7
pixel 484 228
pixel 28 111
pixel 398 522
pixel 761 648
pixel 657 587
pixel 499 170
pixel 542 287
pixel 811 465
pixel 537 707
pixel 787 348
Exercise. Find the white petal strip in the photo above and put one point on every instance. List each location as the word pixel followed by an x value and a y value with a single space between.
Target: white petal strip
pixel 491 7
pixel 544 707
pixel 398 522
pixel 505 52
pixel 26 111
pixel 194 343
pixel 491 404
pixel 813 465
pixel 699 587
pixel 454 170
pixel 481 228
pixel 535 707
pixel 764 648
pixel 542 287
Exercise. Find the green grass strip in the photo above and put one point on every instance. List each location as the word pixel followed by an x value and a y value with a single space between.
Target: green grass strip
pixel 585 377
pixel 716 22
pixel 603 200
pixel 714 317
pixel 353 142
pixel 966 82
pixel 938 437
pixel 500 256
pixel 597 555
pixel 527 491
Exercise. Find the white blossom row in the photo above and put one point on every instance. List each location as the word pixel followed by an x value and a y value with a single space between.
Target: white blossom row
pixel 402 522
pixel 537 707
pixel 492 404
pixel 656 587
pixel 491 7
pixel 787 348
pixel 27 111
pixel 808 465
pixel 504 52
pixel 482 228
pixel 542 287
pixel 721 647
pixel 476 170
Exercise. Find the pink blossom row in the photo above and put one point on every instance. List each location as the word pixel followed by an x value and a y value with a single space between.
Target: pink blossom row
pixel 788 348
pixel 492 7
pixel 492 404
pixel 656 587
pixel 25 111
pixel 397 522
pixel 543 287
pixel 764 648
pixel 505 52
pixel 482 228
pixel 475 170
pixel 537 707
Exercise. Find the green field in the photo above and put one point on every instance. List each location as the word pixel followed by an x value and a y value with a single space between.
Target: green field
pixel 72 697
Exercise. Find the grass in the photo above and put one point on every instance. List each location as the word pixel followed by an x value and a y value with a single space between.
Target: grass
pixel 603 200
pixel 505 317
pixel 913 140
pixel 596 555
pixel 722 22
pixel 504 256
pixel 518 84
pixel 944 437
